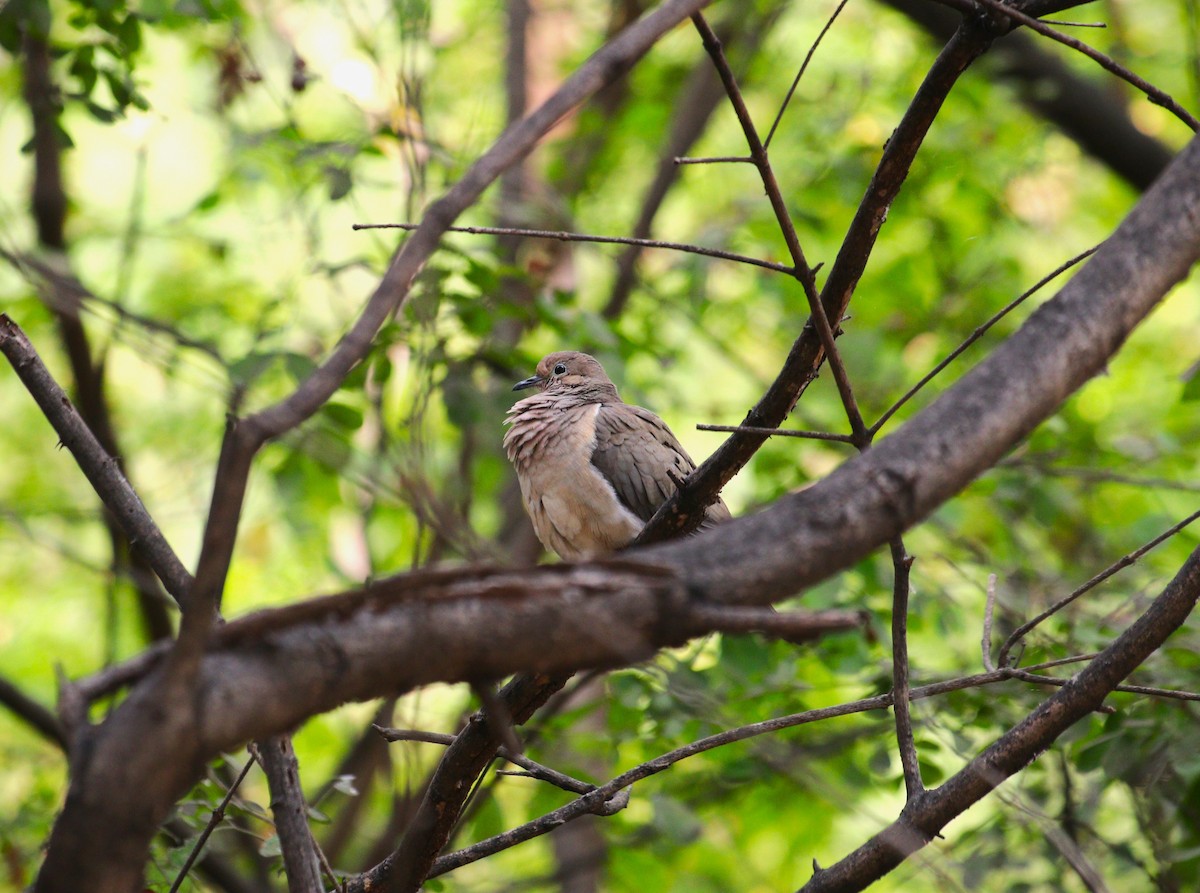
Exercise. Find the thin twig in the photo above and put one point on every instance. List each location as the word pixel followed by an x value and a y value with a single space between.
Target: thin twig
pixel 215 819
pixel 1170 693
pixel 803 272
pixel 1153 93
pixel 989 611
pixel 778 432
pixel 977 334
pixel 325 866
pixel 564 236
pixel 1118 565
pixel 716 159
pixel 901 569
pixel 803 67
pixel 1064 24
pixel 534 769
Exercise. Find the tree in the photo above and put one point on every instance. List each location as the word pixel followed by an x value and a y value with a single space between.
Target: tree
pixel 373 428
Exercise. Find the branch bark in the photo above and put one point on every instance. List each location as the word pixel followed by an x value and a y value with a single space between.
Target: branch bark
pixel 300 862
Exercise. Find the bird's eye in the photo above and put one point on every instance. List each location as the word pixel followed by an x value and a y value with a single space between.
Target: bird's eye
pixel 560 369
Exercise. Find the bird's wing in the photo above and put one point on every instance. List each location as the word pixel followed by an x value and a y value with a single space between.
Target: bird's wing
pixel 638 455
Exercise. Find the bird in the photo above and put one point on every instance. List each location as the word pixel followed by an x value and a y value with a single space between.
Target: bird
pixel 592 468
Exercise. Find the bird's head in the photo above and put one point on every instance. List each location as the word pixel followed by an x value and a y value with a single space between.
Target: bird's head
pixel 570 372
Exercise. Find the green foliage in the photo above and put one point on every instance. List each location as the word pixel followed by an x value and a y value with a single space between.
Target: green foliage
pixel 219 161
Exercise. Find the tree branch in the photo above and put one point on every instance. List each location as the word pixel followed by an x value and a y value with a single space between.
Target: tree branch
pixel 901 567
pixel 300 862
pixel 904 477
pixel 102 470
pixel 1079 106
pixel 41 719
pixel 924 817
pixel 684 510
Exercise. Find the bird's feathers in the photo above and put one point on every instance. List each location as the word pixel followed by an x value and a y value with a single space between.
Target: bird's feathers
pixel 593 470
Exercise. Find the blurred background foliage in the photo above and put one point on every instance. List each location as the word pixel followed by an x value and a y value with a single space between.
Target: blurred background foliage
pixel 215 156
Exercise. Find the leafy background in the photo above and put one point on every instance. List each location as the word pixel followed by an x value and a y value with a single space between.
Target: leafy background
pixel 219 155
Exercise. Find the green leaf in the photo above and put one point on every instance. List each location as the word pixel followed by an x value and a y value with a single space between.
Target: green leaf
pixel 129 33
pixel 1191 389
pixel 343 416
pixel 100 113
pixel 339 182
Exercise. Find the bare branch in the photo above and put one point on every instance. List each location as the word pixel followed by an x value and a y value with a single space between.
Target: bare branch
pixel 531 767
pixel 977 334
pixel 218 815
pixel 799 74
pixel 924 817
pixel 300 862
pixel 779 432
pixel 1120 564
pixel 1041 465
pixel 101 469
pixel 563 236
pixel 901 571
pixel 989 612
pixel 1153 93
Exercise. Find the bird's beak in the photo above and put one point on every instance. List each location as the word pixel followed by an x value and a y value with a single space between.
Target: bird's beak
pixel 531 381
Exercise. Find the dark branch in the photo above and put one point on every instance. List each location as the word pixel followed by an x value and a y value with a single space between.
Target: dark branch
pixel 686 506
pixel 563 236
pixel 901 571
pixel 924 817
pixel 300 862
pixel 101 469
